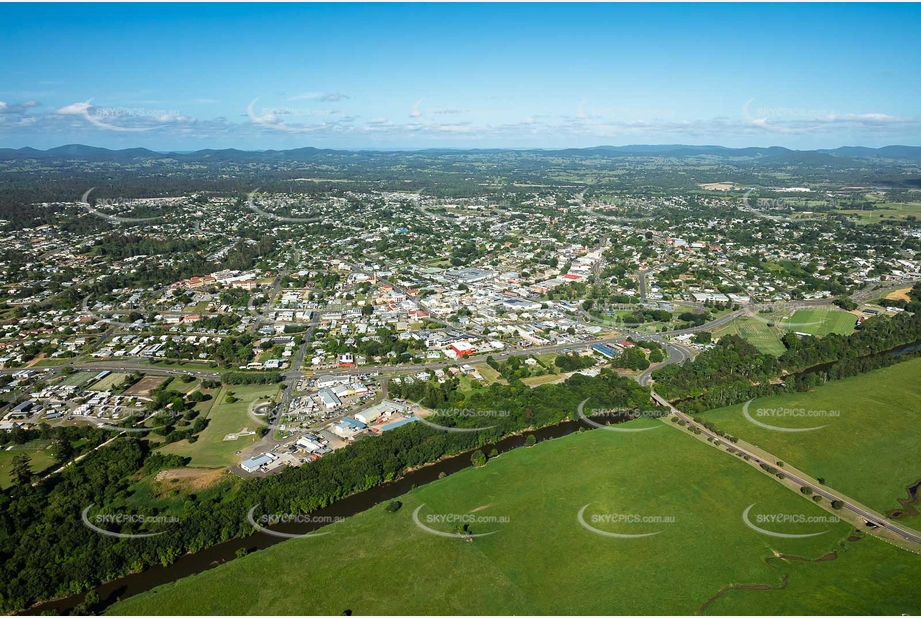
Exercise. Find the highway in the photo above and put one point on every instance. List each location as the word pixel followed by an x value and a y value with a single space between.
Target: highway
pixel 797 478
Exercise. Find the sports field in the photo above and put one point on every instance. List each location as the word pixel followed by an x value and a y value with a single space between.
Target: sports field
pixel 541 559
pixel 867 446
pixel 757 332
pixel 108 382
pixel 820 321
pixel 78 378
pixel 211 450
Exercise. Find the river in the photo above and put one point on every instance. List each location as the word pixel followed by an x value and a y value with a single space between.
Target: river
pixel 210 557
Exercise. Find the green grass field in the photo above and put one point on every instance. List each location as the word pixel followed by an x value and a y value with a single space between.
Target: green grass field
pixel 820 321
pixel 40 455
pixel 869 578
pixel 179 386
pixel 78 378
pixel 108 382
pixel 869 451
pixel 887 210
pixel 489 374
pixel 541 560
pixel 211 450
pixel 756 332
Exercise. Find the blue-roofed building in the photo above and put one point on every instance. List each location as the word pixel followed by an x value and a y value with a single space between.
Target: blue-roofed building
pixel 399 423
pixel 347 427
pixel 605 350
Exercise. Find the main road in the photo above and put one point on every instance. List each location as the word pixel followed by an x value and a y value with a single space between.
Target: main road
pixel 796 477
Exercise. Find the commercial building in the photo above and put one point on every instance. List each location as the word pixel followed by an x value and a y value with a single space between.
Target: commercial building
pixel 463 348
pixel 254 463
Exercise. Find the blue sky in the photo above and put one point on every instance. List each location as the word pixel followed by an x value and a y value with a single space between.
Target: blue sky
pixel 184 77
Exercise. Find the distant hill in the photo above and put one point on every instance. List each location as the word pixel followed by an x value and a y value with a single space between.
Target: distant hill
pixel 886 152
pixel 772 154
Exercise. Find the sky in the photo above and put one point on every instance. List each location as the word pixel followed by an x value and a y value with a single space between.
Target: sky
pixel 411 76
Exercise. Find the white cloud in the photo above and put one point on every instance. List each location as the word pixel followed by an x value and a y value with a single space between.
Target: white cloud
pixel 74 109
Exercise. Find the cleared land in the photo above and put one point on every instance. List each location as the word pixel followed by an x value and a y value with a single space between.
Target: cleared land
pixel 869 451
pixel 40 455
pixel 489 374
pixel 900 295
pixel 145 385
pixel 541 560
pixel 211 450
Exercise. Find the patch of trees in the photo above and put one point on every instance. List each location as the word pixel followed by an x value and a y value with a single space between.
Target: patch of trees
pixel 734 371
pixel 573 362
pixel 251 377
pixel 631 358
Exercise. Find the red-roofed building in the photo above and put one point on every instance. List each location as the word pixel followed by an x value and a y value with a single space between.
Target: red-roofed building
pixel 463 348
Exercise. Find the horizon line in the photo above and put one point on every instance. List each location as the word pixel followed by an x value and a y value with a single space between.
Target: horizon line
pixel 451 148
